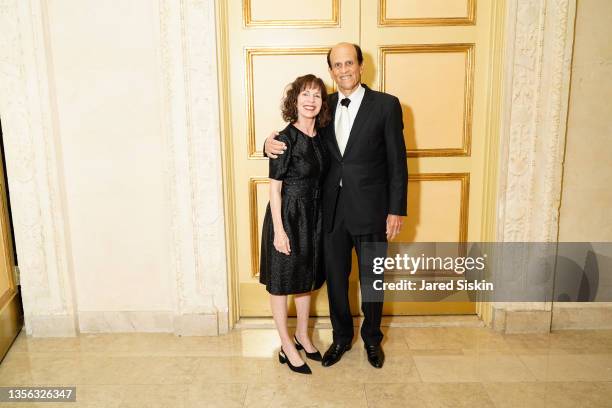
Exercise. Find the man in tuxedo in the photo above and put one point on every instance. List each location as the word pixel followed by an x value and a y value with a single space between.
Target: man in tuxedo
pixel 364 193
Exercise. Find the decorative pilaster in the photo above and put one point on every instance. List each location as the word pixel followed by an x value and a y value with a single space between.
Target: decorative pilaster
pixel 33 166
pixel 539 45
pixel 194 165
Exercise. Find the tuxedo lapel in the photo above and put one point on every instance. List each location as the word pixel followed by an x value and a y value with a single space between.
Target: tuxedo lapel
pixel 360 119
pixel 333 103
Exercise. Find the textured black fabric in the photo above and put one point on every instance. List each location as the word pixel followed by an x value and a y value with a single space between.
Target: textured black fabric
pixel 301 169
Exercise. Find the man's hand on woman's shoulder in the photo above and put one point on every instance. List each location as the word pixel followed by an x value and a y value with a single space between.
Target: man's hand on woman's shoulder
pixel 273 147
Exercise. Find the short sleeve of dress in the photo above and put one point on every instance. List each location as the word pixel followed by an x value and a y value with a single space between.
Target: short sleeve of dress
pixel 278 167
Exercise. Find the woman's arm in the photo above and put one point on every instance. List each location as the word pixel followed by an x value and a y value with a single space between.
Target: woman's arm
pixel 281 241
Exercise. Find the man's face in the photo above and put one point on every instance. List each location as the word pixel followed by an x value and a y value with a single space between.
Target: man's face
pixel 345 70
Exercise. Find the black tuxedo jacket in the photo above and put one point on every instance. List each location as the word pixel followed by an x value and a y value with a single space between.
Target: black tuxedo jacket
pixel 373 168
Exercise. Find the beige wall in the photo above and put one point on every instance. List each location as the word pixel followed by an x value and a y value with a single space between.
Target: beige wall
pixel 105 70
pixel 587 177
pixel 110 120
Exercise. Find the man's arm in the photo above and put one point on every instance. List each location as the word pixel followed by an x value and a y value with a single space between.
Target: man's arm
pixel 397 168
pixel 273 147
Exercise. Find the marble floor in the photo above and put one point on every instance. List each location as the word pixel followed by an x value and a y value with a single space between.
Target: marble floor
pixel 425 367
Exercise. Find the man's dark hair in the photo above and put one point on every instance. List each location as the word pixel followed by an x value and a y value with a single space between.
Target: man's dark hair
pixel 357 50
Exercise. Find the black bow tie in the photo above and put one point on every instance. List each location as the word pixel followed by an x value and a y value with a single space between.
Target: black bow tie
pixel 345 102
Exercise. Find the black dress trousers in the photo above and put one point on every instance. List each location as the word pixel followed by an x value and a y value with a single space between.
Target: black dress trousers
pixel 338 245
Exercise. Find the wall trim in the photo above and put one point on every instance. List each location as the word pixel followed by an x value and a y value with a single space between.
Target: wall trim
pixel 227 160
pixel 194 166
pixel 188 324
pixel 539 37
pixel 34 170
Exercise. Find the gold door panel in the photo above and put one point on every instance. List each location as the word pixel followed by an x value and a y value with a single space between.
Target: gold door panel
pixel 433 56
pixel 439 125
pixel 426 12
pixel 270 43
pixel 437 208
pixel 274 13
pixel 438 205
pixel 265 92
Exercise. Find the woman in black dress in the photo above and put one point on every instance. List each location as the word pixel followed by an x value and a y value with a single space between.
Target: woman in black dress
pixel 291 243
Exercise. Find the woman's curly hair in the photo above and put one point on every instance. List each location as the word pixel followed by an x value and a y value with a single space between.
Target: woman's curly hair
pixel 289 104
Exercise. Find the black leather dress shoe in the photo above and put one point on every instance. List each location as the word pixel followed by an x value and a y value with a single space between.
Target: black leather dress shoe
pixel 376 356
pixel 334 353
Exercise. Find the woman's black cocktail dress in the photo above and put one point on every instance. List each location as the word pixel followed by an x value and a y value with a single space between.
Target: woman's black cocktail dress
pixel 301 169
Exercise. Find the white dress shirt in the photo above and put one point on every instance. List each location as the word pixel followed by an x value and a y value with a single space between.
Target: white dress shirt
pixel 356 98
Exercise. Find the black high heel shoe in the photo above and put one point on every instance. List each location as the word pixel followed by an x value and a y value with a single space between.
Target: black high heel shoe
pixel 315 355
pixel 303 369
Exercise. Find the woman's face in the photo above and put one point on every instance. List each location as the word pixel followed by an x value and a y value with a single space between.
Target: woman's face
pixel 309 102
